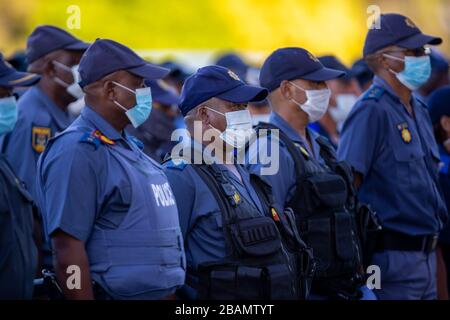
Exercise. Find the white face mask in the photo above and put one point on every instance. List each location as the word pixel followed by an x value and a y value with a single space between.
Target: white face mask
pixel 239 128
pixel 316 102
pixel 72 88
pixel 344 104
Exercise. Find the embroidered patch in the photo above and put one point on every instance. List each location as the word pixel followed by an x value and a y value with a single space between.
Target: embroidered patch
pixel 39 138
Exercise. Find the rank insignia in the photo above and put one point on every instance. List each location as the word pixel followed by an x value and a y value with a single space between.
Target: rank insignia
pixel 275 215
pixel 103 138
pixel 405 133
pixel 233 75
pixel 39 138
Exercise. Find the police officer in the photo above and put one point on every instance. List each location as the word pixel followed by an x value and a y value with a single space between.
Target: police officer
pixel 362 73
pixel 233 248
pixel 156 131
pixel 439 108
pixel 18 254
pixel 108 208
pixel 344 92
pixel 388 140
pixel 305 180
pixel 52 53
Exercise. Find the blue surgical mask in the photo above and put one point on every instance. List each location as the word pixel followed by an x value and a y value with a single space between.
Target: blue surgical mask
pixel 141 111
pixel 8 114
pixel 416 73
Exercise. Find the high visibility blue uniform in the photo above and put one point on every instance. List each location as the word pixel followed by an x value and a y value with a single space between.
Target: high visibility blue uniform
pixel 95 184
pixel 39 119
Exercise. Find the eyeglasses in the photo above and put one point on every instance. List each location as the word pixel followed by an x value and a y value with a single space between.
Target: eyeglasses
pixel 418 52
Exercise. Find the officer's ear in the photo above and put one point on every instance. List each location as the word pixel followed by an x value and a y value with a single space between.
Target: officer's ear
pixel 445 124
pixel 286 90
pixel 42 66
pixel 109 90
pixel 202 115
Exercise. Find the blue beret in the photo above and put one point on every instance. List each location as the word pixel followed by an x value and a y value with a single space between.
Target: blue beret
pixel 10 78
pixel 217 82
pixel 439 104
pixel 398 30
pixel 104 57
pixel 46 39
pixel 294 63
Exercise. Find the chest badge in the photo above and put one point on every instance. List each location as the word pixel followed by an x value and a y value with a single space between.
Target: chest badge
pixel 40 138
pixel 236 198
pixel 405 133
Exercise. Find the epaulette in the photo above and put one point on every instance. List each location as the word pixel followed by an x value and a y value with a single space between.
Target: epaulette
pixel 177 164
pixel 96 138
pixel 374 93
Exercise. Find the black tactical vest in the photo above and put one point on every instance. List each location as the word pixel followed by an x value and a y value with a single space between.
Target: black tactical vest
pixel 323 206
pixel 18 253
pixel 265 257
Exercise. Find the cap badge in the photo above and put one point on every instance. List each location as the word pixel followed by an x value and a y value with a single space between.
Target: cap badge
pixel 233 75
pixel 312 57
pixel 410 24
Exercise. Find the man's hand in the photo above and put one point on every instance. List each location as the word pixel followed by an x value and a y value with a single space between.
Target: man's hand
pixel 69 251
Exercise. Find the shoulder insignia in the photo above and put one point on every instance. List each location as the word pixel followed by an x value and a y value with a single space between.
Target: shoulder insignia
pixel 90 138
pixel 96 138
pixel 374 93
pixel 103 138
pixel 39 138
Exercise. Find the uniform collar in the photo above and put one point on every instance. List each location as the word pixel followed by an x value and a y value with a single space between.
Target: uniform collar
pixel 100 124
pixel 278 121
pixel 383 84
pixel 61 117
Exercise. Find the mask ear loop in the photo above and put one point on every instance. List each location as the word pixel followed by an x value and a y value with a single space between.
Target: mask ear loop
pixel 393 58
pixel 123 87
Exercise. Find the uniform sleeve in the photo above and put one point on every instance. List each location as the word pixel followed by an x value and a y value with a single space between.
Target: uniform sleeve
pixel 68 190
pixel 361 136
pixel 21 155
pixel 280 168
pixel 184 192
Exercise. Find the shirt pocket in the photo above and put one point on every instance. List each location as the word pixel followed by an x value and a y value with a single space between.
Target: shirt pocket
pixel 410 166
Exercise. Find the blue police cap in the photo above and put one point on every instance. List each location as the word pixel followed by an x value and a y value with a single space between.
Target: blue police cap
pixel 162 92
pixel 10 78
pixel 234 63
pixel 361 72
pixel 332 62
pixel 177 71
pixel 217 82
pixel 46 39
pixel 105 56
pixel 294 63
pixel 439 104
pixel 398 30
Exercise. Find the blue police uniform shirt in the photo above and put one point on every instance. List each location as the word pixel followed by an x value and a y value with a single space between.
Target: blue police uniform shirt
pixel 102 187
pixel 398 158
pixel 199 212
pixel 283 182
pixel 444 178
pixel 39 119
